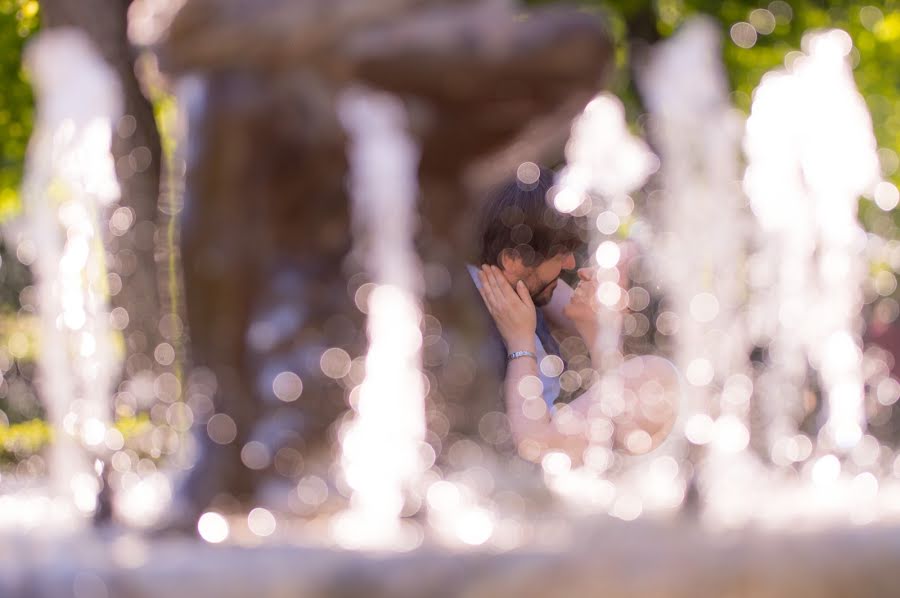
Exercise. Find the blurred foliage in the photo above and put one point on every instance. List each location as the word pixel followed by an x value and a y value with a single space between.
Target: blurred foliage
pixel 18 21
pixel 19 333
pixel 23 432
pixel 22 440
pixel 780 25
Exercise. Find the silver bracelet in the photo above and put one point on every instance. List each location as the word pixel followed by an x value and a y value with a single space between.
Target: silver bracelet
pixel 517 354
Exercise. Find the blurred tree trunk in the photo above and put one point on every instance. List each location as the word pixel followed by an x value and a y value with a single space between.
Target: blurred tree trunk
pixel 137 152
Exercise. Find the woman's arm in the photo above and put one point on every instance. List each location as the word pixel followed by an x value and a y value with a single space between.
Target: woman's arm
pixel 532 425
pixel 644 406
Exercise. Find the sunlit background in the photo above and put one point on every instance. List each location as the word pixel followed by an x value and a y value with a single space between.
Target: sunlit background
pixel 741 167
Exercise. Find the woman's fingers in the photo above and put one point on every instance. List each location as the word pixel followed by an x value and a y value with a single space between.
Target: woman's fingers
pixel 487 291
pixel 581 294
pixel 502 286
pixel 494 291
pixel 511 307
pixel 523 293
pixel 500 294
pixel 495 285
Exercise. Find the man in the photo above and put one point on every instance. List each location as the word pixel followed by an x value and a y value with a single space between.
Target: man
pixel 528 240
pixel 525 246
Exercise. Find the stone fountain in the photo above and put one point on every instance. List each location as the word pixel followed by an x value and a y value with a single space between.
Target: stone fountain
pixel 266 243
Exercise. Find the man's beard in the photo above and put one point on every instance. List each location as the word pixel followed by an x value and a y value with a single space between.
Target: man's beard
pixel 539 298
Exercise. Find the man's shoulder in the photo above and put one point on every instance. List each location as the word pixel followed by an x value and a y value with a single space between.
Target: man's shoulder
pixel 473 272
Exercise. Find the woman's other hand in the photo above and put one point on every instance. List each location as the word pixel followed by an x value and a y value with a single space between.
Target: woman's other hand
pixel 582 307
pixel 512 309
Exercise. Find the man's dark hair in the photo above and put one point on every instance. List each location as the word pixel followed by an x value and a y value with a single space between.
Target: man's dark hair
pixel 520 218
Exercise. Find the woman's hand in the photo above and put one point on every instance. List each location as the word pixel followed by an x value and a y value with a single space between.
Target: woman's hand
pixel 512 309
pixel 582 307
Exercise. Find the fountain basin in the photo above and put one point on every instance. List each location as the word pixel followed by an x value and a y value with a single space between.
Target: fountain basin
pixel 607 557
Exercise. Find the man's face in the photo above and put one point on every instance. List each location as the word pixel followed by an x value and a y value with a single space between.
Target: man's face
pixel 541 279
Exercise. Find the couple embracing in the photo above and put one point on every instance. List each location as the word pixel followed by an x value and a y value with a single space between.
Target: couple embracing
pixel 525 247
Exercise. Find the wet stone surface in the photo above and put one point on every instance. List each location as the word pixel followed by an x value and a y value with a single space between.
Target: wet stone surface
pixel 604 557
